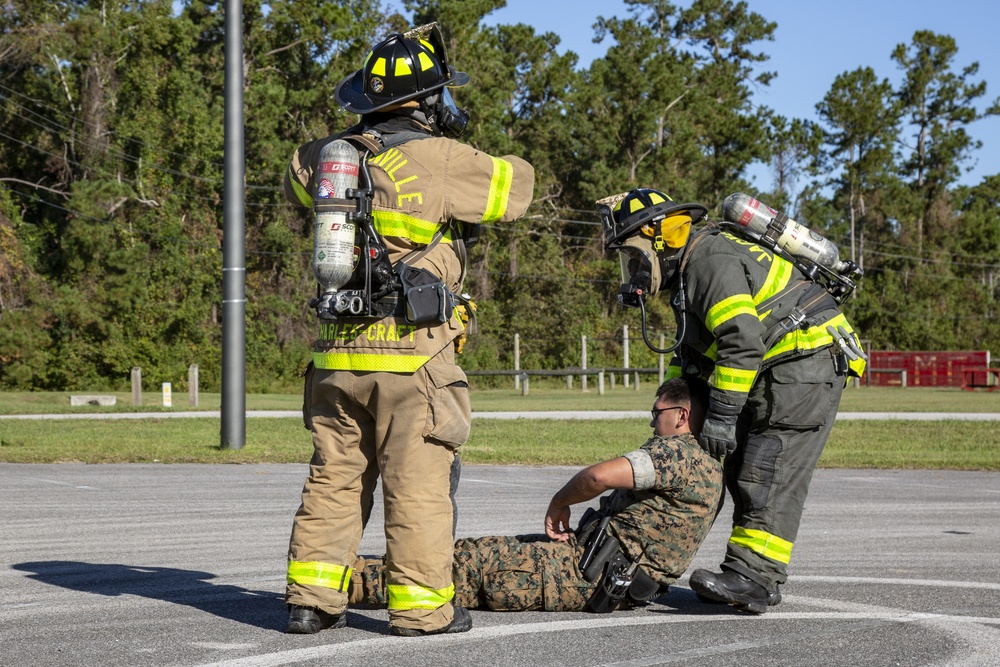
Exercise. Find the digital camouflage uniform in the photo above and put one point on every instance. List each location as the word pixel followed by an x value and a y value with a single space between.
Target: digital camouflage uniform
pixel 384 397
pixel 786 384
pixel 664 520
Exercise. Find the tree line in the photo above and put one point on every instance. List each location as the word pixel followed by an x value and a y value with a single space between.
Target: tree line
pixel 111 173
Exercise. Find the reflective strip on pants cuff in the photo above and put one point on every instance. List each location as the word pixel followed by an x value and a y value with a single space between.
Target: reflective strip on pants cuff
pixel 765 544
pixel 315 573
pixel 418 597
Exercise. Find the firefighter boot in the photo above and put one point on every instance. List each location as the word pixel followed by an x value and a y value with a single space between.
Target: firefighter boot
pixel 309 621
pixel 461 623
pixel 734 588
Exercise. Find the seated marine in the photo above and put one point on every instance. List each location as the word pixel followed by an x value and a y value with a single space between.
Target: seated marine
pixel 664 498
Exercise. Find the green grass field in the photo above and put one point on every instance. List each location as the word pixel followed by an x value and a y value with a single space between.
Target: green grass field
pixel 955 445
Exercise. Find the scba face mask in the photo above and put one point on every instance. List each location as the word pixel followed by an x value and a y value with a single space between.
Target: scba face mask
pixel 445 115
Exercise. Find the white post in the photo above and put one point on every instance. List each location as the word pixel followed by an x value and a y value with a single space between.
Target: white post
pixel 625 353
pixel 517 360
pixel 136 385
pixel 637 380
pixel 193 385
pixel 600 382
pixel 583 364
pixel 167 400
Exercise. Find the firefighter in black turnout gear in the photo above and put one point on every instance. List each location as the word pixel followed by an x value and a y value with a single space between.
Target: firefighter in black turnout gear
pixel 778 351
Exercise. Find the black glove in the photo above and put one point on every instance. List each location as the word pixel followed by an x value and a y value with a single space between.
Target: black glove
pixel 718 433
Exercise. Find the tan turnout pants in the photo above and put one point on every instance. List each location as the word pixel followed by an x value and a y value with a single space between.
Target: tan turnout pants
pixel 406 428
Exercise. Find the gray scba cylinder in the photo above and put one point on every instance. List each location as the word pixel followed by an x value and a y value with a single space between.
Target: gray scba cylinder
pixel 333 242
pixel 797 240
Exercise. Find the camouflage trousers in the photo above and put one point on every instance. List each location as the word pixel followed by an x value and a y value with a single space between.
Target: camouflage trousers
pixel 518 573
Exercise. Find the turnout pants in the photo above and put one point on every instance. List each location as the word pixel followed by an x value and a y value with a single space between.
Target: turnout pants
pixel 406 428
pixel 781 434
pixel 517 573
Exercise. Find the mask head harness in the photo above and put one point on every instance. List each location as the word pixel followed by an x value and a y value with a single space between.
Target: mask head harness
pixel 649 231
pixel 410 67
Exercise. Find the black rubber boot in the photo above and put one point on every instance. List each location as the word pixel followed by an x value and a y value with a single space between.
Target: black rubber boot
pixel 461 623
pixel 735 589
pixel 309 621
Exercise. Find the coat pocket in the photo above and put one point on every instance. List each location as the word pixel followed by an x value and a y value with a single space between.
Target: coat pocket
pixel 449 410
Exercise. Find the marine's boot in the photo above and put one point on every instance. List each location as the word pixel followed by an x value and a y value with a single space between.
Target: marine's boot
pixel 309 621
pixel 461 623
pixel 733 588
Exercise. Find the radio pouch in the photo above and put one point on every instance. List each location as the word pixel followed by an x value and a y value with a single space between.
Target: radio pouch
pixel 426 297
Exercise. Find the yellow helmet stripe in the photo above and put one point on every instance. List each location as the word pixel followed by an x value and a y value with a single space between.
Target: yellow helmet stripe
pixel 378 68
pixel 402 68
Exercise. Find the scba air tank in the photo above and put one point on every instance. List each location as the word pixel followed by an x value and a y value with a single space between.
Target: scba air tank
pixel 797 240
pixel 333 243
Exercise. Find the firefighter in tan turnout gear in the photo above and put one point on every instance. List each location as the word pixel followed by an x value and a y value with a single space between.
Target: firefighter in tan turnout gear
pixel 664 498
pixel 383 395
pixel 766 327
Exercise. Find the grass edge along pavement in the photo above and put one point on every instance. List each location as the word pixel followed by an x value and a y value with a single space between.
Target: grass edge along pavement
pixel 934 445
pixel 545 395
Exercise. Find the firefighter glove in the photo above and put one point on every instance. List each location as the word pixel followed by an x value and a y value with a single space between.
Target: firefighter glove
pixel 718 433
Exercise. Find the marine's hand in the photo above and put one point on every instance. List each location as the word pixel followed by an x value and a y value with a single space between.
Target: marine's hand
pixel 557 523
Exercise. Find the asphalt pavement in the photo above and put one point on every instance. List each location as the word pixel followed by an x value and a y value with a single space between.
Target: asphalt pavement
pixel 150 564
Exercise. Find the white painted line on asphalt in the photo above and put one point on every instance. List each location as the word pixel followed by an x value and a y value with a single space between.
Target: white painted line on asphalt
pixel 58 483
pixel 899 582
pixel 339 649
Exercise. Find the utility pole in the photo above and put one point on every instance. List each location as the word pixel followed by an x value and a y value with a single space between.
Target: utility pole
pixel 234 303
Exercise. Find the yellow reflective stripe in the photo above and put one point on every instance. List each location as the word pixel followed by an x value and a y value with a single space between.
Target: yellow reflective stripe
pixel 765 544
pixel 727 309
pixel 857 366
pixel 418 597
pixel 503 177
pixel 673 371
pixel 315 573
pixel 303 195
pixel 777 279
pixel 360 361
pixel 734 379
pixel 812 338
pixel 713 351
pixel 391 223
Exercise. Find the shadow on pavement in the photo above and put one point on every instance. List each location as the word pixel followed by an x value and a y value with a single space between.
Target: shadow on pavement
pixel 263 609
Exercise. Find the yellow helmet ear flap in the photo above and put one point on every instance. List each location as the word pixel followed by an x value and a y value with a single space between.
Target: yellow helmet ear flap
pixel 675 229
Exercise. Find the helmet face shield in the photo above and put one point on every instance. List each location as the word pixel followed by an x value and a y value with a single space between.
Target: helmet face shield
pixel 640 268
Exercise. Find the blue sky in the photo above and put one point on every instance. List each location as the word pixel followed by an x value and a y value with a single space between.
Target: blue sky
pixel 814 42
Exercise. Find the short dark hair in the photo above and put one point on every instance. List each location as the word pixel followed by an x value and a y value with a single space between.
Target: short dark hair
pixel 688 389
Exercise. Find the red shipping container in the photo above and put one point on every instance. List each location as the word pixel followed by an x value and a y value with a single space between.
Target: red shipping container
pixel 926 369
